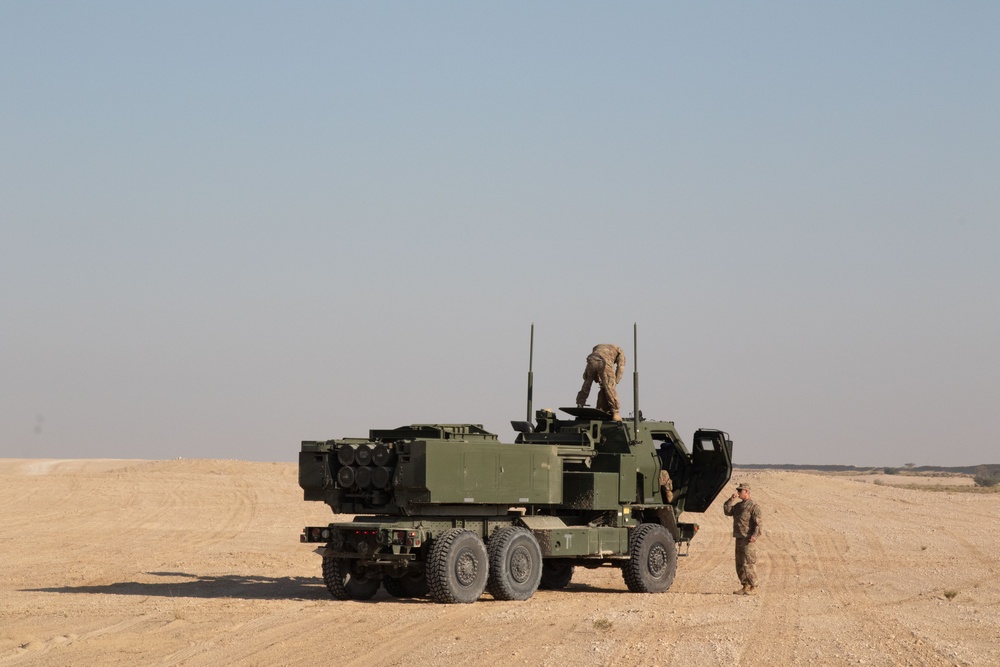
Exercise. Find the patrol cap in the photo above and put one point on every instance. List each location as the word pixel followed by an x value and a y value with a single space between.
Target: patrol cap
pixel 742 486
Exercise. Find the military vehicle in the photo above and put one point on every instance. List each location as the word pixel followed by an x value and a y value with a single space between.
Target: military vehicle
pixel 448 511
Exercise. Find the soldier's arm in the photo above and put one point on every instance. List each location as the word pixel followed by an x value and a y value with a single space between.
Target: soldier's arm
pixel 756 523
pixel 619 366
pixel 727 507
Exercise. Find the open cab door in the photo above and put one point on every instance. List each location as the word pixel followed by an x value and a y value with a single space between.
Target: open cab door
pixel 711 468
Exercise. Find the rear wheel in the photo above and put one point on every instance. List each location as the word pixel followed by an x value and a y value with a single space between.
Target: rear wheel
pixel 345 583
pixel 457 567
pixel 515 564
pixel 652 561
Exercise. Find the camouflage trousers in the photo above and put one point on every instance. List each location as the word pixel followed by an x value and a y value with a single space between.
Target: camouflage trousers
pixel 746 558
pixel 602 373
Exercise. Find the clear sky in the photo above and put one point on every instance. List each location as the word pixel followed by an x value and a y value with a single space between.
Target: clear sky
pixel 228 227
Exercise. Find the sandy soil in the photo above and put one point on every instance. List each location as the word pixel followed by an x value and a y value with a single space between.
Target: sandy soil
pixel 197 562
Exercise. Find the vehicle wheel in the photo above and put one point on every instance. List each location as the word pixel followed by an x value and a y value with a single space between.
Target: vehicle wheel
pixel 555 576
pixel 457 567
pixel 515 564
pixel 652 561
pixel 344 584
pixel 410 585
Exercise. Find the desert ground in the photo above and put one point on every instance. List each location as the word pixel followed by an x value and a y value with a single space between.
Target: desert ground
pixel 198 562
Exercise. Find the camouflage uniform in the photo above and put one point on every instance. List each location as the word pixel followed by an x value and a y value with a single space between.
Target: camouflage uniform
pixel 747 523
pixel 605 365
pixel 666 486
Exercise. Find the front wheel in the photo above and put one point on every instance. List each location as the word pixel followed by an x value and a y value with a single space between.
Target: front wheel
pixel 457 567
pixel 344 582
pixel 410 585
pixel 555 575
pixel 652 561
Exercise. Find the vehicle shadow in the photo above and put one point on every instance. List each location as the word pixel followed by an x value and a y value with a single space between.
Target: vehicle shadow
pixel 186 584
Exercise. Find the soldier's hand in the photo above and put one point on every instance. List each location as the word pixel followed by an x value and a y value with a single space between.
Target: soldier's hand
pixel 735 496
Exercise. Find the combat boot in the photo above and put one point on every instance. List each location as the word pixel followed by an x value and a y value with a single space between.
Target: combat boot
pixel 743 591
pixel 751 590
pixel 616 417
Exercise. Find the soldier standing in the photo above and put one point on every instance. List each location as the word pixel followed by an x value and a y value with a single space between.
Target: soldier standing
pixel 605 365
pixel 747 527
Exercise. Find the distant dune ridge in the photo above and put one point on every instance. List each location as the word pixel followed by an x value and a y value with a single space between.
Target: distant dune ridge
pixel 957 470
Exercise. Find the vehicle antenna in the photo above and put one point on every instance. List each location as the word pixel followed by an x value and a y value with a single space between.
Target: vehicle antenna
pixel 531 360
pixel 635 382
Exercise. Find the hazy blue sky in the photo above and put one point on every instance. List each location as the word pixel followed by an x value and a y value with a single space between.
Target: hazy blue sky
pixel 229 227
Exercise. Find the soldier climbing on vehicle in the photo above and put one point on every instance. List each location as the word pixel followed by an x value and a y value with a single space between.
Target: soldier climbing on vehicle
pixel 605 365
